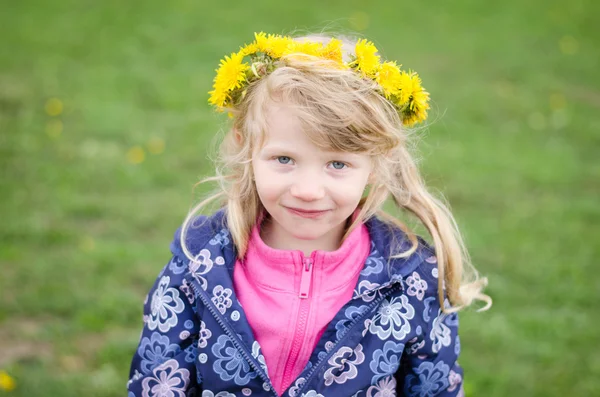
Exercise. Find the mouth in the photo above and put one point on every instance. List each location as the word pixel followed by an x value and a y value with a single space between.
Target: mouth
pixel 306 213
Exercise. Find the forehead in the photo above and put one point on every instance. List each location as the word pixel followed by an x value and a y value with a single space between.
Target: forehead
pixel 283 125
pixel 288 125
pixel 286 134
pixel 279 126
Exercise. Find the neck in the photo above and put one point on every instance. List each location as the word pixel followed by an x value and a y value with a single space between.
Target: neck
pixel 278 239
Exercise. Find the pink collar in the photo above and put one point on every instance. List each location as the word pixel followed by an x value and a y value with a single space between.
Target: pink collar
pixel 282 269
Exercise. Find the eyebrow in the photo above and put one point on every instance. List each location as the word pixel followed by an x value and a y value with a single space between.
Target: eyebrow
pixel 277 148
pixel 289 150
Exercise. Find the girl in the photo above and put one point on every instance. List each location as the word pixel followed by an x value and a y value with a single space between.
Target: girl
pixel 300 285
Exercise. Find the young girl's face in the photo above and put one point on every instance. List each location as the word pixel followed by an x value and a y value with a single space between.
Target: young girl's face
pixel 308 192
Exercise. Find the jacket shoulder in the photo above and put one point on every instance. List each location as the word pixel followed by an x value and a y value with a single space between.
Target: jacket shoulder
pixel 200 231
pixel 392 241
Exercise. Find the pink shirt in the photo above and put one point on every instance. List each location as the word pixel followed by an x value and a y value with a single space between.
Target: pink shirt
pixel 289 299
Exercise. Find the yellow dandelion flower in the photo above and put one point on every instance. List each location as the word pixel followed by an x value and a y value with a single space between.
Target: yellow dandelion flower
pixel 231 74
pixel 7 383
pixel 367 59
pixel 278 45
pixel 409 119
pixel 412 98
pixel 249 49
pixel 420 100
pixel 274 45
pixel 136 155
pixel 421 105
pixel 333 50
pixel 54 107
pixel 218 97
pixel 261 41
pixel 305 47
pixel 389 78
pixel 409 84
pixel 412 117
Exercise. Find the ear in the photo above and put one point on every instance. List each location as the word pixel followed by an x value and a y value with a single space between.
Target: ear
pixel 371 178
pixel 237 135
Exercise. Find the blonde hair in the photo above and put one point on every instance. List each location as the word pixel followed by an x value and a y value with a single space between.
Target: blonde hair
pixel 340 111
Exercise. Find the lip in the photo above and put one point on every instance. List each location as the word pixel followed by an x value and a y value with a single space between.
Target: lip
pixel 306 213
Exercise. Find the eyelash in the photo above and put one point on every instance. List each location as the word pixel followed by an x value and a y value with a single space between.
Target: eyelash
pixel 340 162
pixel 278 158
pixel 283 157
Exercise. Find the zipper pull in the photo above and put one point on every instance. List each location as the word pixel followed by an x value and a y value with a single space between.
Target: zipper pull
pixel 307 270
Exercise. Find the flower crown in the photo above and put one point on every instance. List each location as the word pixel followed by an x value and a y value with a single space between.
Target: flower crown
pixel 401 88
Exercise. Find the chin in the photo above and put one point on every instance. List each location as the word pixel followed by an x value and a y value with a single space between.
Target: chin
pixel 305 234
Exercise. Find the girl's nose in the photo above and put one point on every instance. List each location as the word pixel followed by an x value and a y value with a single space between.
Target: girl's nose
pixel 308 189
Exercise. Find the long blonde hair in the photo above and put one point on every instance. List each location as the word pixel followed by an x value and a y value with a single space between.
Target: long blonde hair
pixel 340 111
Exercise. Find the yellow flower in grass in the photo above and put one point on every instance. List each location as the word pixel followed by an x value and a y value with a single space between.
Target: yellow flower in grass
pixel 231 74
pixel 332 51
pixel 367 59
pixel 389 78
pixel 7 383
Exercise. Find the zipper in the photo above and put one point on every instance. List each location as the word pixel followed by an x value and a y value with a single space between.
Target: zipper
pixel 305 281
pixel 324 359
pixel 233 337
pixel 303 310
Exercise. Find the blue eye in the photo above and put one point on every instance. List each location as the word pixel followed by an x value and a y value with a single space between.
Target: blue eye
pixel 284 159
pixel 338 165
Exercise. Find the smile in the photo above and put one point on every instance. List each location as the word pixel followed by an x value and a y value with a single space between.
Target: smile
pixel 306 213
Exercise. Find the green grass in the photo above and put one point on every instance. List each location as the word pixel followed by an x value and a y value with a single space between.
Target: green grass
pixel 514 147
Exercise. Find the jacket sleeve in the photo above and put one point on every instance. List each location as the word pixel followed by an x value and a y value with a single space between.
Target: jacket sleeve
pixel 429 365
pixel 165 356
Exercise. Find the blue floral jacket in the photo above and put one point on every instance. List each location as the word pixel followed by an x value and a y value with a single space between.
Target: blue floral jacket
pixel 390 339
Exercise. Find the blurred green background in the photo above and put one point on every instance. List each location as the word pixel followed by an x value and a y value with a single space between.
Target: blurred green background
pixel 105 127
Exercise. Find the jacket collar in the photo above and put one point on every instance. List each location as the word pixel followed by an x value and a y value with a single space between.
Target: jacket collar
pixel 210 243
pixel 264 263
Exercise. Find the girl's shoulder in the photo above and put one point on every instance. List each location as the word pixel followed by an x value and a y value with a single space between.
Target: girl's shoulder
pixel 390 241
pixel 200 232
pixel 417 272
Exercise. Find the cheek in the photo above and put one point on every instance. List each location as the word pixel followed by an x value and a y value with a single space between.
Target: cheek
pixel 350 198
pixel 268 187
pixel 266 192
pixel 350 191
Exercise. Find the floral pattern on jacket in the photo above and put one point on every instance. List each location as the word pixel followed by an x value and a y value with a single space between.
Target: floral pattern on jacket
pixel 390 339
